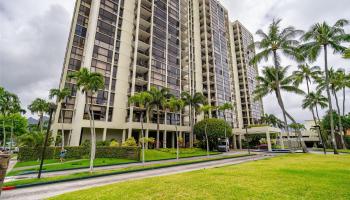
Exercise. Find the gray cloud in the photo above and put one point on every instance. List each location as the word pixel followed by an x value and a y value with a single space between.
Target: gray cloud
pixel 34 34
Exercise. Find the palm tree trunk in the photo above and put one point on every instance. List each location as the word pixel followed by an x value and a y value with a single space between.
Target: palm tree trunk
pixel 143 142
pixel 41 121
pixel 62 130
pixel 158 122
pixel 192 115
pixel 340 123
pixel 206 138
pixel 344 95
pixel 92 156
pixel 329 100
pixel 318 116
pixel 311 109
pixel 177 141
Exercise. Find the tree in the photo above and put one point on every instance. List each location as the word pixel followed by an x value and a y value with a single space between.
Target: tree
pixel 223 108
pixel 158 100
pixel 176 105
pixel 313 100
pixel 273 42
pixel 9 103
pixel 194 103
pixel 322 36
pixel 213 129
pixel 297 128
pixel 142 100
pixel 347 53
pixel 268 84
pixel 89 83
pixel 307 74
pixel 39 106
pixel 206 109
pixel 61 96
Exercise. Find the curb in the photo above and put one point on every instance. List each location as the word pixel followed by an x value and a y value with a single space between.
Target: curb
pixel 113 173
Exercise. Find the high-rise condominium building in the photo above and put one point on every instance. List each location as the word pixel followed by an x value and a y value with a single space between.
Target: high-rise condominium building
pixel 182 45
pixel 247 73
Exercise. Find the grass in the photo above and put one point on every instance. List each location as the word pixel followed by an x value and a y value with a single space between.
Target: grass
pixel 106 172
pixel 331 150
pixel 151 155
pixel 293 176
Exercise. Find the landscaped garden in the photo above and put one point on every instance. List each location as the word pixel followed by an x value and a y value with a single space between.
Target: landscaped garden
pixel 295 176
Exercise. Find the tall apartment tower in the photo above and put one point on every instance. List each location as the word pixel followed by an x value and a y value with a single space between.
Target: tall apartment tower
pixel 182 45
pixel 245 75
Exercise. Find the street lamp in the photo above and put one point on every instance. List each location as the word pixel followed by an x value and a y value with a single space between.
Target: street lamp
pixel 321 139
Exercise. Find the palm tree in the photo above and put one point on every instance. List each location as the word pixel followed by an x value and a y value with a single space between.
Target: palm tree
pixel 206 109
pixel 159 98
pixel 268 84
pixel 342 81
pixel 142 100
pixel 61 96
pixel 297 128
pixel 176 105
pixel 223 108
pixel 89 83
pixel 335 84
pixel 9 103
pixel 39 106
pixel 323 35
pixel 313 100
pixel 347 54
pixel 273 42
pixel 194 103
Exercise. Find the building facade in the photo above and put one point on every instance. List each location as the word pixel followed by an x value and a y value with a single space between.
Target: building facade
pixel 182 45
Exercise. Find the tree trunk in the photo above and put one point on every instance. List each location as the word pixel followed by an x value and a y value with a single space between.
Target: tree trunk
pixel 340 123
pixel 329 100
pixel 311 109
pixel 206 138
pixel 4 132
pixel 62 130
pixel 158 122
pixel 344 96
pixel 318 116
pixel 41 121
pixel 177 141
pixel 143 142
pixel 92 152
pixel 193 117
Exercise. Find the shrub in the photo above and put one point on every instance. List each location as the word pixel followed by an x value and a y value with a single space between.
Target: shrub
pixel 103 143
pixel 215 130
pixel 130 142
pixel 114 143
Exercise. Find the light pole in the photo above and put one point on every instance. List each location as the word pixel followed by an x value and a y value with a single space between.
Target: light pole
pixel 321 139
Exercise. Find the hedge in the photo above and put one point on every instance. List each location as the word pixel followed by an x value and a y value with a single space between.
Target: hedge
pixel 29 153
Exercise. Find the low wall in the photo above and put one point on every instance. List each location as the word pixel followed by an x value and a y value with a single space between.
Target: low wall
pixel 29 154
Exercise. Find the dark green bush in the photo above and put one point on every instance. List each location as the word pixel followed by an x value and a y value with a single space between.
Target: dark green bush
pixel 215 130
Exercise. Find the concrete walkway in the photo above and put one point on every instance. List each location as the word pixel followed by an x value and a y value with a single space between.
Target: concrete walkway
pixel 113 167
pixel 45 191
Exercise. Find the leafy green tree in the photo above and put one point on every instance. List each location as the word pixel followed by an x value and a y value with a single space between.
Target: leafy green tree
pixel 33 139
pixel 130 142
pixel 206 109
pixel 158 100
pixel 268 85
pixel 89 83
pixel 9 103
pixel 41 107
pixel 213 129
pixel 194 102
pixel 297 128
pixel 223 108
pixel 61 96
pixel 176 106
pixel 142 100
pixel 313 100
pixel 274 42
pixel 324 36
pixel 347 53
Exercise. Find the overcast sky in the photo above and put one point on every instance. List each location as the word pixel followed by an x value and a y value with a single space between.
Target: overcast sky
pixel 34 34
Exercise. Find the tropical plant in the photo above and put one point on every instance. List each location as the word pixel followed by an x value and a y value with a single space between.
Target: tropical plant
pixel 347 53
pixel 9 103
pixel 223 108
pixel 142 101
pixel 297 128
pixel 61 96
pixel 206 109
pixel 176 106
pixel 130 142
pixel 32 139
pixel 273 42
pixel 268 84
pixel 39 106
pixel 194 102
pixel 158 100
pixel 89 83
pixel 324 36
pixel 313 100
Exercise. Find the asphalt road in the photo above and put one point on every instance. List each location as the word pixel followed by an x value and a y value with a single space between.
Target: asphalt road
pixel 45 191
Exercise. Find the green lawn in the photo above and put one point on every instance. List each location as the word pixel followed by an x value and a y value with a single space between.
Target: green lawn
pixel 151 155
pixel 122 170
pixel 296 176
pixel 331 150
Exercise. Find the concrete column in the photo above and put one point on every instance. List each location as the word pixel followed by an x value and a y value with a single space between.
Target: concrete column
pixel 104 136
pixel 173 135
pixel 129 132
pixel 146 136
pixel 164 139
pixel 124 134
pixel 240 141
pixel 181 135
pixel 234 142
pixel 282 142
pixel 268 139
